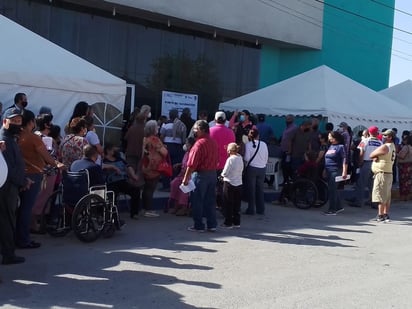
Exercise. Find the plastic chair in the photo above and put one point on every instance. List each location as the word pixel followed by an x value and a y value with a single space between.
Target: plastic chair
pixel 272 169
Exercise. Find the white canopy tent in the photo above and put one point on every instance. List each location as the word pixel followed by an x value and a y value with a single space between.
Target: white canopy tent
pixel 325 92
pixel 51 76
pixel 401 93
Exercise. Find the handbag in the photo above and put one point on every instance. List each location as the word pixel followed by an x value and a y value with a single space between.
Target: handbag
pixel 165 167
pixel 43 184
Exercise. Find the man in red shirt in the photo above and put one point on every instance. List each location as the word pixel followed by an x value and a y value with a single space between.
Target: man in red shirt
pixel 202 163
pixel 223 137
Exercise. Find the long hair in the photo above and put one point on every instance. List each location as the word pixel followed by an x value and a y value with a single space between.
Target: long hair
pixel 253 135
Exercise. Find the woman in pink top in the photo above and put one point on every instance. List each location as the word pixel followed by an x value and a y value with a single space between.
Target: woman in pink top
pixel 178 200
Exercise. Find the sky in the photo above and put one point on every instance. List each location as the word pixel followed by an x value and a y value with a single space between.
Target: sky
pixel 401 61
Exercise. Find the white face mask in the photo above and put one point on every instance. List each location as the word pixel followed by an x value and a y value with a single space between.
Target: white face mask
pixel 149 115
pixel 184 147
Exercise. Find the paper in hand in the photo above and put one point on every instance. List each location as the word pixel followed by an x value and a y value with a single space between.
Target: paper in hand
pixel 190 187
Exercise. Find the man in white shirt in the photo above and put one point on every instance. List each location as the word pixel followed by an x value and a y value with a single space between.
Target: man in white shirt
pixel 366 147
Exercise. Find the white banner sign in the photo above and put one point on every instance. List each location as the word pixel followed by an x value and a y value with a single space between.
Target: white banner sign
pixel 179 101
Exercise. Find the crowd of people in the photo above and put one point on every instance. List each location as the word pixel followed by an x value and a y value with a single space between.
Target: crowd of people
pixel 370 159
pixel 225 159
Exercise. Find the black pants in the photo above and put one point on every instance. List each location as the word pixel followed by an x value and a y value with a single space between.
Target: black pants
pixel 219 190
pixel 8 206
pixel 231 203
pixel 148 191
pixel 287 170
pixel 123 186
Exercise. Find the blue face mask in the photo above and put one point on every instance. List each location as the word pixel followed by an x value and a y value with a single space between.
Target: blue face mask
pixel 242 118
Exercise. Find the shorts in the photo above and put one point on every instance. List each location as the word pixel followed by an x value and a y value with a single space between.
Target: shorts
pixel 382 188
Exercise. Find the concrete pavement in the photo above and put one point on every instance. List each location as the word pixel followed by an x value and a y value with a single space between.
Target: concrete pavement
pixel 289 258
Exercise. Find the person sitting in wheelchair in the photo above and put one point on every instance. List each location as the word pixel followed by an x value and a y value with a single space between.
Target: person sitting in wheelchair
pixel 309 169
pixel 88 162
pixel 127 181
pixel 96 175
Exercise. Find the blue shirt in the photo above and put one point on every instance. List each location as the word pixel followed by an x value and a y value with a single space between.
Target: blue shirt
pixel 96 176
pixel 265 131
pixel 335 157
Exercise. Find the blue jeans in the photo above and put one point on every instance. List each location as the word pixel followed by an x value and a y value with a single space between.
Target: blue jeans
pixel 255 181
pixel 27 201
pixel 203 200
pixel 334 194
pixel 364 179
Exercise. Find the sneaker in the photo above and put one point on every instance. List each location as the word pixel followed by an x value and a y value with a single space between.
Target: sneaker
pixel 211 229
pixel 192 229
pixel 386 218
pixel 340 210
pixel 236 226
pixel 330 213
pixel 151 214
pixel 380 218
pixel 228 227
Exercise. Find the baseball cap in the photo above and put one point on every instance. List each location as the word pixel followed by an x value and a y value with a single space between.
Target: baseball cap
pixel 343 124
pixel 220 115
pixel 373 130
pixel 12 112
pixel 389 132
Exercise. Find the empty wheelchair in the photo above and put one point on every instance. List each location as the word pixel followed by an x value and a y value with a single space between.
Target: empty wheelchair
pixel 89 211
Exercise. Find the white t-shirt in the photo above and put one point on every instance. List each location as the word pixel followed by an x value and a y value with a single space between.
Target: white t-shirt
pixel 368 145
pixel 167 131
pixel 261 158
pixel 4 170
pixel 213 123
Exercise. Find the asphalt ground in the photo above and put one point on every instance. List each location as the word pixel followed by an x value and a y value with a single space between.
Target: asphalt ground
pixel 288 258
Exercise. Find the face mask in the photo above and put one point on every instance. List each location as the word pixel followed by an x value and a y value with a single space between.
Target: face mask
pixel 340 129
pixel 384 139
pixel 24 104
pixel 14 129
pixel 242 118
pixel 195 134
pixel 149 115
pixel 184 147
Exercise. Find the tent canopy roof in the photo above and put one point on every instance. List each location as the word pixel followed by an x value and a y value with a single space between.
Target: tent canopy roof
pixel 401 93
pixel 30 60
pixel 320 91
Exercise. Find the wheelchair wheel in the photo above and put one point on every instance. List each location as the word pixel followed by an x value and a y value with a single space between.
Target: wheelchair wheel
pixel 53 217
pixel 88 218
pixel 305 194
pixel 323 193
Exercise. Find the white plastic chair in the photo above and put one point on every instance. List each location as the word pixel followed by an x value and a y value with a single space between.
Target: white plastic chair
pixel 272 169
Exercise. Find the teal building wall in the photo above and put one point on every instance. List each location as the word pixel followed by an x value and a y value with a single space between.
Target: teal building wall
pixel 352 44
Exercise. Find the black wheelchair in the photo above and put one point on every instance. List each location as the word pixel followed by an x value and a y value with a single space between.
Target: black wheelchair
pixel 90 211
pixel 305 192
